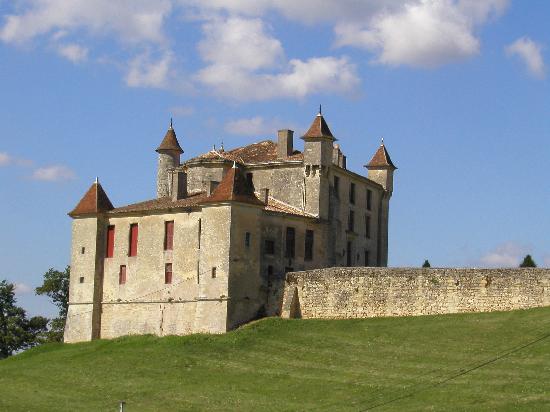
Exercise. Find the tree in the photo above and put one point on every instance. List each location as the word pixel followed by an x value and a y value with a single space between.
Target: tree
pixel 528 262
pixel 426 264
pixel 56 287
pixel 16 331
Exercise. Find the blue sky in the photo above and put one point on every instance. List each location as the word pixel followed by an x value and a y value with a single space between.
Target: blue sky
pixel 458 89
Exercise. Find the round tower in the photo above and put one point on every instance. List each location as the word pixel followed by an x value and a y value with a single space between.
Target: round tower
pixel 169 158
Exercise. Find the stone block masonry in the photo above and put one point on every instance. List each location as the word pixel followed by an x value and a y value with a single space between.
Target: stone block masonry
pixel 361 292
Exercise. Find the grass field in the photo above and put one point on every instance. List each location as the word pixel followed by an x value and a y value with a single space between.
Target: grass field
pixel 497 361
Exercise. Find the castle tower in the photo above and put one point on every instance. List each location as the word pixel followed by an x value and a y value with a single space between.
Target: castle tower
pixel 89 247
pixel 380 170
pixel 318 147
pixel 169 158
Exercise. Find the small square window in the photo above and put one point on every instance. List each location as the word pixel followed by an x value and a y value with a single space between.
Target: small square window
pixel 213 272
pixel 81 279
pixel 83 250
pixel 269 247
pixel 247 239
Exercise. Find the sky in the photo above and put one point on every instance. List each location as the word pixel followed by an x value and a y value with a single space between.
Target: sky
pixel 458 89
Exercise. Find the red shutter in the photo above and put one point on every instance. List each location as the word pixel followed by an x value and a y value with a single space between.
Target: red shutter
pixel 133 239
pixel 122 275
pixel 168 273
pixel 169 235
pixel 110 241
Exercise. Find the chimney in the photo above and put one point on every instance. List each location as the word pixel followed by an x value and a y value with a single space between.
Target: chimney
pixel 264 195
pixel 285 142
pixel 179 185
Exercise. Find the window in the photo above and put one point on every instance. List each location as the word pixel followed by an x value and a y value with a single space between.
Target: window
pixel 213 272
pixel 168 273
pixel 133 240
pixel 369 199
pixel 83 250
pixel 269 247
pixel 290 242
pixel 336 186
pixel 110 241
pixel 200 229
pixel 308 255
pixel 367 227
pixel 366 257
pixel 81 279
pixel 247 239
pixel 352 193
pixel 122 275
pixel 169 235
pixel 351 220
pixel 348 254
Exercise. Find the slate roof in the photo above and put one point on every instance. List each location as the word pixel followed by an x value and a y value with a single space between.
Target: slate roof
pixel 94 201
pixel 170 142
pixel 318 128
pixel 234 187
pixel 381 158
pixel 261 152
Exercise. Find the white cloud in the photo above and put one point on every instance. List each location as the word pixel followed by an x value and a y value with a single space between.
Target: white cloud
pixel 239 43
pixel 23 289
pixel 424 33
pixel 530 53
pixel 182 111
pixel 253 126
pixel 507 254
pixel 73 52
pixel 144 71
pixel 53 173
pixel 5 159
pixel 132 21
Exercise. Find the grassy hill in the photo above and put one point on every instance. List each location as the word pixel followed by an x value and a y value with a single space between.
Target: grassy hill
pixel 497 361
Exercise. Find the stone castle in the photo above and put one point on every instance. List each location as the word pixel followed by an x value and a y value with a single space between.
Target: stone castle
pixel 211 251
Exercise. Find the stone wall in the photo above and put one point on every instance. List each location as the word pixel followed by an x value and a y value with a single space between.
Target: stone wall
pixel 371 292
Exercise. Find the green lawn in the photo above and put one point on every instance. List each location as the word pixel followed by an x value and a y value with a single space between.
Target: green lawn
pixel 314 365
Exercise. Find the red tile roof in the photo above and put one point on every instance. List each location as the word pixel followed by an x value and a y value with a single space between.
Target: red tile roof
pixel 274 205
pixel 94 201
pixel 164 203
pixel 381 158
pixel 170 142
pixel 318 128
pixel 262 152
pixel 234 187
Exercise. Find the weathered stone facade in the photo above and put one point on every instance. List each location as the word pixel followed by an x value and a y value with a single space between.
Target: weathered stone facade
pixel 238 221
pixel 339 293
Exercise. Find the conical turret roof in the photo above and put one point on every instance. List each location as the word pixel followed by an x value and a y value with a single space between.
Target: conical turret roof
pixel 318 128
pixel 381 158
pixel 94 201
pixel 170 141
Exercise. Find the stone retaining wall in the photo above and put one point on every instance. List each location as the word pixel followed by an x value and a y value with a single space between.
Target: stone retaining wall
pixel 362 292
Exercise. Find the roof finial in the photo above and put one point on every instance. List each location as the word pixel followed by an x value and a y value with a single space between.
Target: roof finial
pixel 320 111
pixel 382 142
pixel 221 148
pixel 96 180
pixel 171 124
pixel 234 164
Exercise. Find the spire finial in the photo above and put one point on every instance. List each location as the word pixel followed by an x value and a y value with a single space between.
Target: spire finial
pixel 171 124
pixel 221 148
pixel 320 111
pixel 382 141
pixel 96 180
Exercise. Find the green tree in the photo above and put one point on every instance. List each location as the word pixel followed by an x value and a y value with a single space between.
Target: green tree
pixel 16 331
pixel 426 264
pixel 56 287
pixel 528 262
